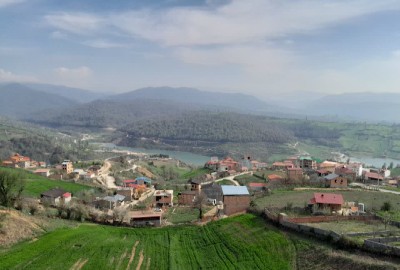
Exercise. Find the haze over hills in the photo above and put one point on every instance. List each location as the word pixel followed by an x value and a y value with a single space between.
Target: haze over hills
pixel 19 101
pixel 212 100
pixel 52 104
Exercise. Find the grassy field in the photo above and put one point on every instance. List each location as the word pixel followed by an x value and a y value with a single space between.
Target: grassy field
pixel 178 215
pixel 371 199
pixel 351 226
pixel 36 184
pixel 242 242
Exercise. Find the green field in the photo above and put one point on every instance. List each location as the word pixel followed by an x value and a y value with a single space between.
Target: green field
pixel 36 184
pixel 242 242
pixel 371 199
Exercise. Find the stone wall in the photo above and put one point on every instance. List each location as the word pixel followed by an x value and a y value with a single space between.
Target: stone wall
pixel 381 245
pixel 318 219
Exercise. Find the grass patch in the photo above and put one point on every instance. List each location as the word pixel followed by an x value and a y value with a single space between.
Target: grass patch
pixel 36 184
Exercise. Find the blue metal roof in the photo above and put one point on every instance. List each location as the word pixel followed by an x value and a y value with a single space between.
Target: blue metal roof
pixel 145 179
pixel 235 190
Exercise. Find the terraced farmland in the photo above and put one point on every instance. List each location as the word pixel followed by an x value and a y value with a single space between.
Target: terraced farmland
pixel 243 242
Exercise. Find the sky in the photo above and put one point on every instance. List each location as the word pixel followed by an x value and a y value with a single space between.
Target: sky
pixel 259 47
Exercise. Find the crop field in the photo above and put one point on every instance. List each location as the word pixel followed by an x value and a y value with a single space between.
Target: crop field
pixel 242 242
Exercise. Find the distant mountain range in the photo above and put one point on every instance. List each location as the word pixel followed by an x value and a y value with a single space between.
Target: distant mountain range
pixel 57 104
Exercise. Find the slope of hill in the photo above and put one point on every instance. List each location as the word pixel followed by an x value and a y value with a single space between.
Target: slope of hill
pixel 213 100
pixel 18 100
pixel 76 94
pixel 109 113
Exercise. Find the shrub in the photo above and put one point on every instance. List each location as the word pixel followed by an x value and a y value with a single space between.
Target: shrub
pixel 387 206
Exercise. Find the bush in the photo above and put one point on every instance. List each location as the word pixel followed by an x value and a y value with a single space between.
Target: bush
pixel 387 206
pixel 33 208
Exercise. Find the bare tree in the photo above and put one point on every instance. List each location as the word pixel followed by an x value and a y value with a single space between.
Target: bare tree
pixel 199 202
pixel 119 214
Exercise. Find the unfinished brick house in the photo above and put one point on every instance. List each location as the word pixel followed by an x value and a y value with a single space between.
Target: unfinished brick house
pixel 236 199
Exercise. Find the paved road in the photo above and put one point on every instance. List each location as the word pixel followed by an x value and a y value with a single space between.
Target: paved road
pixel 230 178
pixel 374 187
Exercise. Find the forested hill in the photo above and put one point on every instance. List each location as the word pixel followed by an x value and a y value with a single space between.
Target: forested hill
pixel 210 127
pixel 108 113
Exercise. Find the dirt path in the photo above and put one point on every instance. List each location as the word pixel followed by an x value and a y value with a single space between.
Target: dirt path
pixel 141 258
pixel 79 264
pixel 107 180
pixel 132 255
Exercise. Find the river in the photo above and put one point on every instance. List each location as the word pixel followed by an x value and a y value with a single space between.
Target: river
pixel 187 157
pixel 375 162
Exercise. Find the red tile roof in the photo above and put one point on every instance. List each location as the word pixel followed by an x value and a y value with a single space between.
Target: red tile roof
pixel 373 175
pixel 274 177
pixel 327 198
pixel 257 184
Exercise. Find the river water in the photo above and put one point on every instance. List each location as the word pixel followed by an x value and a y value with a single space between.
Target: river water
pixel 188 158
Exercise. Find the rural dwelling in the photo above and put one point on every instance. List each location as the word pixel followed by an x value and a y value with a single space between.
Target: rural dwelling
pixel 236 199
pixel 55 196
pixel 335 181
pixel 356 167
pixel 195 184
pixel 129 193
pixel 213 192
pixel 42 172
pixel 275 178
pixel 342 170
pixel 323 201
pixel 143 181
pixel 373 176
pixel 67 167
pixel 282 165
pixel 328 165
pixel 295 174
pixel 322 172
pixel 110 202
pixel 145 218
pixel 307 163
pixel 187 197
pixel 257 186
pixel 163 198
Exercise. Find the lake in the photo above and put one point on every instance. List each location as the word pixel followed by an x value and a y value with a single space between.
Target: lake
pixel 187 157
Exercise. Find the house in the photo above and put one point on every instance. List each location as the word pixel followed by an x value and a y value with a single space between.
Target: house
pixel 143 181
pixel 257 186
pixel 356 167
pixel 67 166
pixel 282 165
pixel 328 165
pixel 295 174
pixel 228 164
pixel 89 175
pixel 322 172
pixel 129 193
pixel 307 163
pixel 55 196
pixel 330 201
pixel 335 181
pixel 187 197
pixel 140 218
pixel 42 172
pixel 9 164
pixel 236 199
pixel 195 184
pixel 373 176
pixel 42 164
pixel 342 170
pixel 163 198
pixel 110 202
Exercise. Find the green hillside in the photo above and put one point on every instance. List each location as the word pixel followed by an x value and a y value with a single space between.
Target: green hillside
pixel 36 184
pixel 242 242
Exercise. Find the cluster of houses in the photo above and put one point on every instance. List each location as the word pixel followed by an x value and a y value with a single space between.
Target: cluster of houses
pixel 23 162
pixel 232 166
pixel 334 174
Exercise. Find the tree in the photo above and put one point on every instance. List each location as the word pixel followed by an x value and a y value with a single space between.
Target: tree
pixel 387 206
pixel 199 203
pixel 11 186
pixel 387 218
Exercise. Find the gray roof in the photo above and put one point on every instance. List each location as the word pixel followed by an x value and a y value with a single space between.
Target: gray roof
pixel 114 198
pixel 235 190
pixel 53 193
pixel 331 176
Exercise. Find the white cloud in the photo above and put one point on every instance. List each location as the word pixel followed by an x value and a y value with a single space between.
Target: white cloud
pixel 241 21
pixel 8 76
pixel 77 23
pixel 58 35
pixel 82 72
pixel 4 3
pixel 104 44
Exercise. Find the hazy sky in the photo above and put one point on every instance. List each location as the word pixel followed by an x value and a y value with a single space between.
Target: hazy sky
pixel 259 47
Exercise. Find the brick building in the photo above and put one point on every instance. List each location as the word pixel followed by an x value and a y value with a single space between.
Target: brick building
pixel 236 199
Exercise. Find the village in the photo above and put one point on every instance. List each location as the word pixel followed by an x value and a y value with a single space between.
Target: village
pixel 223 187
